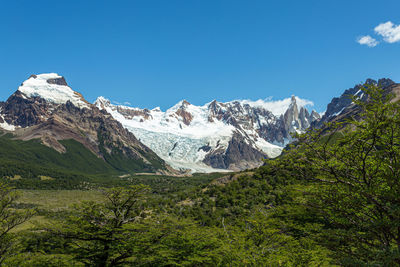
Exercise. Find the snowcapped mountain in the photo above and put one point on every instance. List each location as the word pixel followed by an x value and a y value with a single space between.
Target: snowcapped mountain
pixel 53 88
pixel 44 107
pixel 231 136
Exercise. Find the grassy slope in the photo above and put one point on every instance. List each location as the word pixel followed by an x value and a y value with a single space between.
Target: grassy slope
pixel 118 161
pixel 49 203
pixel 30 160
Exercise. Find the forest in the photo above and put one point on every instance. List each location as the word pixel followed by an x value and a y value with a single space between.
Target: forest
pixel 331 199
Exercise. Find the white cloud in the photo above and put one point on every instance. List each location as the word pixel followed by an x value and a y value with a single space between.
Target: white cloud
pixel 389 32
pixel 277 107
pixel 367 40
pixel 121 103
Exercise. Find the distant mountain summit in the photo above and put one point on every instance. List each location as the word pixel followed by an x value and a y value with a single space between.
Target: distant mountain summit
pixel 44 107
pixel 53 88
pixel 233 136
pixel 343 106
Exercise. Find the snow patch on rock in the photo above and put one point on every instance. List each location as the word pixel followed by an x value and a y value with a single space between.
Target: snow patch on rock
pixel 38 86
pixel 4 125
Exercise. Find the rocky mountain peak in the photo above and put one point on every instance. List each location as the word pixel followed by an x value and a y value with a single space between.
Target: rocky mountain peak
pixel 293 100
pixel 215 110
pixel 385 82
pixel 52 88
pixel 297 119
pixel 370 81
pixel 291 117
pixel 315 116
pixel 50 78
pixel 183 113
pixel 213 105
pixel 340 106
pixel 102 102
pixel 185 103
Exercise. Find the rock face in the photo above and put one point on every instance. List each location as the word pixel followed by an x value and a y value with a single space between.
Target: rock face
pixel 41 109
pixel 58 81
pixel 238 155
pixel 343 106
pixel 296 120
pixel 24 112
pixel 234 135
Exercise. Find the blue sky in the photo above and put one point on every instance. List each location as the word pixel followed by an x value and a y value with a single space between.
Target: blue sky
pixel 155 53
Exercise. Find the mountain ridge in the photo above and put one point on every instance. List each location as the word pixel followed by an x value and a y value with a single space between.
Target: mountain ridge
pixel 233 135
pixel 45 108
pixel 217 136
pixel 343 106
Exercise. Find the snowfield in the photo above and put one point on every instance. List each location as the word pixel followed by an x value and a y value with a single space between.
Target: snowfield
pixel 180 145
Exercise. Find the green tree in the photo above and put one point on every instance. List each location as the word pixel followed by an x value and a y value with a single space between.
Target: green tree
pixel 9 219
pixel 355 168
pixel 101 234
pixel 169 241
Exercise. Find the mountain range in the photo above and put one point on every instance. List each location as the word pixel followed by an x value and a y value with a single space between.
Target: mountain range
pixel 217 136
pixel 45 108
pixel 233 135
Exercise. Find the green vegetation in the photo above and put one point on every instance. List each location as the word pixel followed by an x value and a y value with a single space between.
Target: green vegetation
pixel 357 182
pixel 30 162
pixel 118 161
pixel 31 165
pixel 331 200
pixel 9 219
pixel 102 233
pixel 18 153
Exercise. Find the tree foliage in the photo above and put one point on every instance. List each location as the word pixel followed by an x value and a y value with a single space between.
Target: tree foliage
pixel 100 233
pixel 355 170
pixel 9 219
